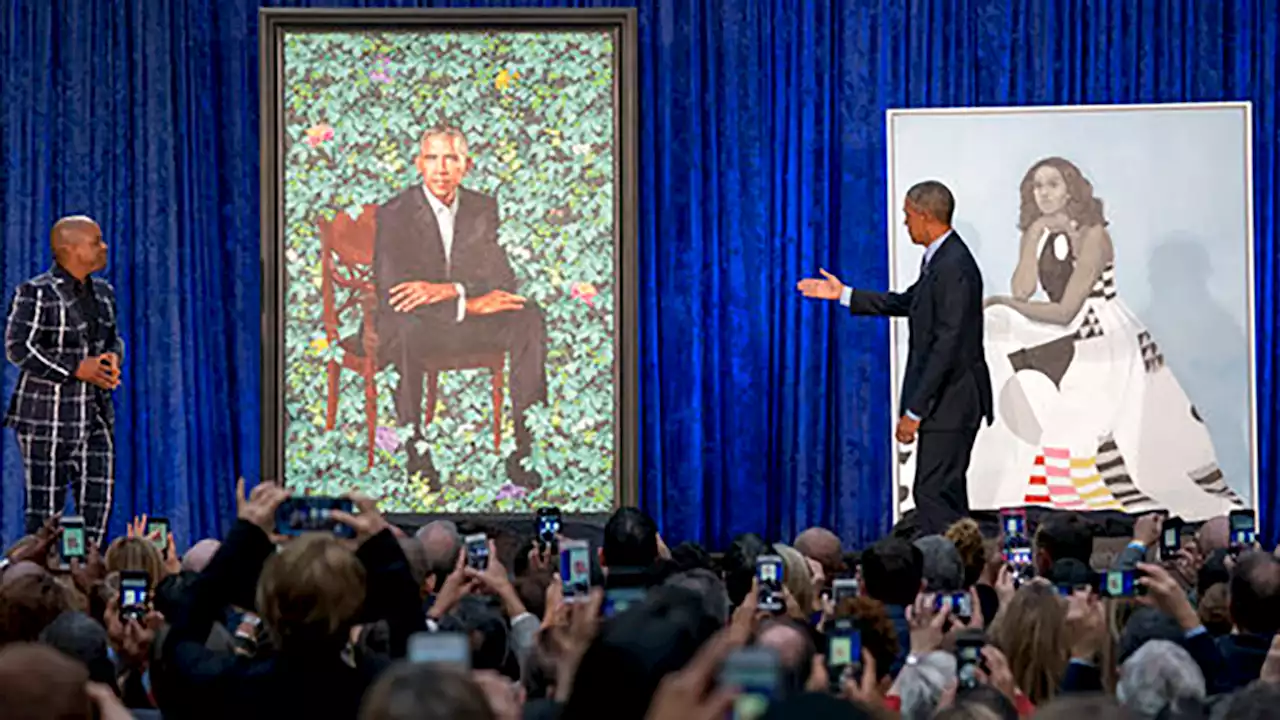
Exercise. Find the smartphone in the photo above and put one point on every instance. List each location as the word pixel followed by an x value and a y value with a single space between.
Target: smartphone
pixel 444 648
pixel 1019 561
pixel 618 600
pixel 1119 584
pixel 575 569
pixel 161 541
pixel 959 603
pixel 548 526
pixel 842 588
pixel 72 545
pixel 757 673
pixel 311 513
pixel 770 573
pixel 1170 537
pixel 1243 525
pixel 1014 523
pixel 968 661
pixel 477 545
pixel 135 595
pixel 844 652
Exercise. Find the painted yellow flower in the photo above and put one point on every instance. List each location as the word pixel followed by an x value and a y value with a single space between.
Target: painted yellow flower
pixel 320 344
pixel 503 80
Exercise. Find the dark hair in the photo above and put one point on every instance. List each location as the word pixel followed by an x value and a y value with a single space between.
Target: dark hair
pixel 1255 590
pixel 934 199
pixel 1144 625
pixel 892 570
pixel 1256 701
pixel 27 604
pixel 690 555
pixel 1212 572
pixel 879 637
pixel 424 691
pixel 739 565
pixel 1066 535
pixel 987 697
pixel 474 616
pixel 1081 206
pixel 80 637
pixel 630 539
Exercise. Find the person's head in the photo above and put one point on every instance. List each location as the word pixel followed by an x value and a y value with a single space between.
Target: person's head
pixel 879 637
pixel 80 637
pixel 198 557
pixel 965 535
pixel 484 625
pixel 709 587
pixel 630 540
pixel 689 555
pixel 798 578
pixel 928 208
pixel 921 685
pixel 1256 701
pixel 824 546
pixel 40 683
pixel 1214 610
pixel 1061 536
pixel 1083 705
pixel 795 649
pixel 1213 571
pixel 424 691
pixel 892 571
pixel 1213 535
pixel 943 569
pixel 1142 626
pixel 1055 185
pixel 78 246
pixel 443 160
pixel 135 554
pixel 441 543
pixel 310 593
pixel 1031 632
pixel 419 566
pixel 982 702
pixel 739 565
pixel 28 603
pixel 1255 593
pixel 1160 677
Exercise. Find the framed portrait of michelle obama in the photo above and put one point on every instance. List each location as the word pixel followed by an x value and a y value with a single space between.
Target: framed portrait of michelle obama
pixel 448 237
pixel 1116 249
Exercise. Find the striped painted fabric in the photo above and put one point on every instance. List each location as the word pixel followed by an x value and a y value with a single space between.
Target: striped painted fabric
pixel 1069 483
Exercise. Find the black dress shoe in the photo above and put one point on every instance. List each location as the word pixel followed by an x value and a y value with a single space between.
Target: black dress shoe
pixel 520 477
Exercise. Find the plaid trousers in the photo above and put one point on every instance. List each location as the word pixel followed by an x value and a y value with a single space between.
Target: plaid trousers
pixel 86 465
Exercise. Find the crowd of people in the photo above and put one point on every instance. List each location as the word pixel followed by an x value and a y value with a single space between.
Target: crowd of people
pixel 944 626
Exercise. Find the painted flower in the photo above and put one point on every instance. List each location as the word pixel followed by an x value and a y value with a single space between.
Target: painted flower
pixel 387 439
pixel 381 72
pixel 317 134
pixel 581 149
pixel 511 492
pixel 320 343
pixel 584 291
pixel 503 81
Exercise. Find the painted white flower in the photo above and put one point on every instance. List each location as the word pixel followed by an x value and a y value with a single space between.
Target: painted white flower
pixel 581 149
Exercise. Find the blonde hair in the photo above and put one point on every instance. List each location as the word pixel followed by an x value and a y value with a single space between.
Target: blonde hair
pixel 797 578
pixel 1031 632
pixel 967 537
pixel 310 593
pixel 133 554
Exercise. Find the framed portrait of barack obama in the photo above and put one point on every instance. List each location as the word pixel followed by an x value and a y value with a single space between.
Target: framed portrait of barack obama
pixel 448 233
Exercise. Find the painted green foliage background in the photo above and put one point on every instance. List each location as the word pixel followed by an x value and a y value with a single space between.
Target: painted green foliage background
pixel 538 112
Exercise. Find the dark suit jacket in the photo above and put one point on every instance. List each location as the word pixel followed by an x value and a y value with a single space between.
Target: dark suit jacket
pixel 408 247
pixel 46 338
pixel 947 384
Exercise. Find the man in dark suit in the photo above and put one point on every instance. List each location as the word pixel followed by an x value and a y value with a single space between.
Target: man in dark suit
pixel 946 390
pixel 445 288
pixel 62 336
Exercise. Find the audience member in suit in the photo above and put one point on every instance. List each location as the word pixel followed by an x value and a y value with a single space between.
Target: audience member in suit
pixel 946 389
pixel 446 288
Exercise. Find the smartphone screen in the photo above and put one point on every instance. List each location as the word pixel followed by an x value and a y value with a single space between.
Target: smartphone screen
pixel 548 525
pixel 477 551
pixel 1170 538
pixel 158 531
pixel 1118 584
pixel 844 651
pixel 757 673
pixel 134 600
pixel 842 588
pixel 968 661
pixel 72 545
pixel 959 604
pixel 1014 523
pixel 445 648
pixel 575 569
pixel 769 577
pixel 1243 527
pixel 618 600
pixel 310 513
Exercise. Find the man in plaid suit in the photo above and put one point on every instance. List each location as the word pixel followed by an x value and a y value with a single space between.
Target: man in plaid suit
pixel 62 336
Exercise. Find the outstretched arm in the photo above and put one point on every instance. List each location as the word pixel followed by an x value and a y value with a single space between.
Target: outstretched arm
pixel 859 302
pixel 1095 253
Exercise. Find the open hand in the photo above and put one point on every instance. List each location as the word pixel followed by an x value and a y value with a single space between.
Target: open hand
pixel 494 302
pixel 260 507
pixel 368 522
pixel 99 370
pixel 828 287
pixel 409 296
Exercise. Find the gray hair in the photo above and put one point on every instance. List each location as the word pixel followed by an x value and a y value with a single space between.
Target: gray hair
pixel 444 130
pixel 934 199
pixel 943 567
pixel 1160 675
pixel 921 685
pixel 711 589
pixel 442 543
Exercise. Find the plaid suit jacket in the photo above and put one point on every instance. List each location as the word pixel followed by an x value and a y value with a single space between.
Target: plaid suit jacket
pixel 47 337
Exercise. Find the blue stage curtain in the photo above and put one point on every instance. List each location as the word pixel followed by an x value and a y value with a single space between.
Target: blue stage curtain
pixel 762 159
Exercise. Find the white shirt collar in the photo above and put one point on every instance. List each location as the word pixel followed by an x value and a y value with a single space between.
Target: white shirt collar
pixel 438 205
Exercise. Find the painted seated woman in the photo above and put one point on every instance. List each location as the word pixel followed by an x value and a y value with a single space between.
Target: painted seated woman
pixel 1088 414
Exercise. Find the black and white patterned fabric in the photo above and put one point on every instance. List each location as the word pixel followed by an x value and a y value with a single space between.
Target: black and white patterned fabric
pixel 1105 286
pixel 1090 327
pixel 1115 476
pixel 64 425
pixel 1211 480
pixel 1152 358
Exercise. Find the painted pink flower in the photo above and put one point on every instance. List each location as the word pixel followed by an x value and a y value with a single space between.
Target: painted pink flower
pixel 386 439
pixel 382 71
pixel 511 492
pixel 317 134
pixel 584 291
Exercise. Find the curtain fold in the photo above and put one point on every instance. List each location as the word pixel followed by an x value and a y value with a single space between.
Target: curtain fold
pixel 762 159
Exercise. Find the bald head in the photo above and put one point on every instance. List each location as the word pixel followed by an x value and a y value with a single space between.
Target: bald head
pixel 822 545
pixel 441 544
pixel 1213 535
pixel 77 245
pixel 198 557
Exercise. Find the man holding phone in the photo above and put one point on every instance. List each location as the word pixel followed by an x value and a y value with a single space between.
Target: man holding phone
pixel 62 336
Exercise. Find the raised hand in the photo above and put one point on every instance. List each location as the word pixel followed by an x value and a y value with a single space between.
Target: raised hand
pixel 260 507
pixel 828 287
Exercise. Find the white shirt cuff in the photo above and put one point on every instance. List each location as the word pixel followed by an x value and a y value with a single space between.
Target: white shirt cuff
pixel 846 296
pixel 462 301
